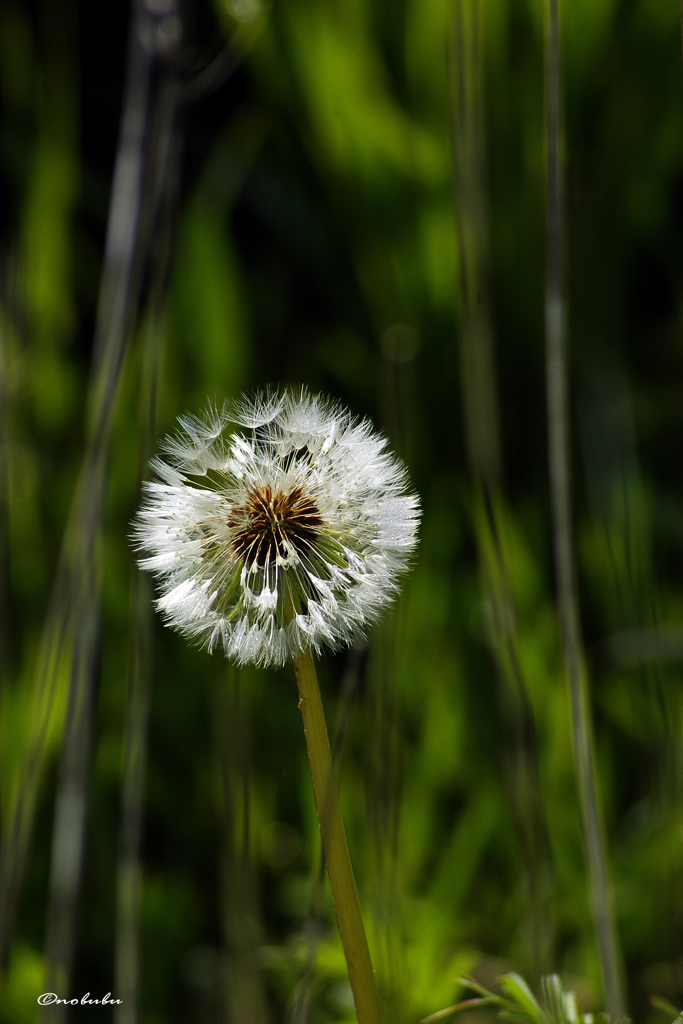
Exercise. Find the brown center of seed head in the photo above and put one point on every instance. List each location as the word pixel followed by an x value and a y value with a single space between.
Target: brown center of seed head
pixel 270 523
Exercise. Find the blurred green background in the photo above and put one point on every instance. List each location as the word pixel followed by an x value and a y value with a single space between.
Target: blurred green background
pixel 305 224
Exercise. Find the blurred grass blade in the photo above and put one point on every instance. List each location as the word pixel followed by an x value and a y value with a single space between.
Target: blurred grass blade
pixel 71 806
pixel 383 787
pixel 482 433
pixel 479 390
pixel 129 872
pixel 466 1004
pixel 165 152
pixel 134 202
pixel 666 1007
pixel 517 989
pixel 116 309
pixel 647 646
pixel 560 488
pixel 4 527
pixel 129 214
pixel 244 995
pixel 554 998
pixel 36 306
pixel 126 971
pixel 161 180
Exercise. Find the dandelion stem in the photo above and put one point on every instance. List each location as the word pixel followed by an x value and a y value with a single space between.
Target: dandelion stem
pixel 335 844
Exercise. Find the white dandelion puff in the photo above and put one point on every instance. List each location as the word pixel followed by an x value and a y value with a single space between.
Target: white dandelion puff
pixel 279 524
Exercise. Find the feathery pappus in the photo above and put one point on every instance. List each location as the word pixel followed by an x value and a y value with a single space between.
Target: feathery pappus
pixel 276 524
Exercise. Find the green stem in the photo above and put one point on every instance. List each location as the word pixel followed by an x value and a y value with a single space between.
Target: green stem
pixel 335 844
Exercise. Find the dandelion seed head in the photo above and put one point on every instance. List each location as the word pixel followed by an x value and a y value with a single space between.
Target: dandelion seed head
pixel 276 524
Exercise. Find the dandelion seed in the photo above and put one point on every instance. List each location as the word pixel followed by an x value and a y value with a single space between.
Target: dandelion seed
pixel 275 526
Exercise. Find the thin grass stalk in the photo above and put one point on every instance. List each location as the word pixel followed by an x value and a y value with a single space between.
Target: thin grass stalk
pixel 384 773
pixel 129 872
pixel 519 744
pixel 161 188
pixel 16 837
pixel 116 309
pixel 116 313
pixel 400 344
pixel 58 654
pixel 129 869
pixel 243 989
pixel 335 844
pixel 482 434
pixel 5 631
pixel 478 372
pixel 68 840
pixel 560 493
